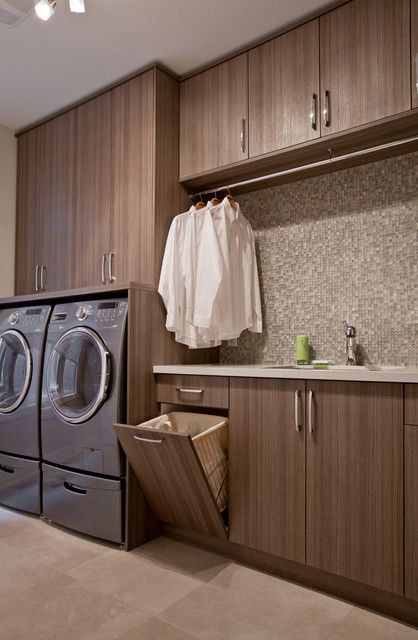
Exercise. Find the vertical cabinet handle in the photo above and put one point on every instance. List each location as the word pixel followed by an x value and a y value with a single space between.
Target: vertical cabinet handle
pixel 112 278
pixel 42 283
pixel 310 411
pixel 312 112
pixel 326 109
pixel 103 268
pixel 37 278
pixel 297 420
pixel 242 135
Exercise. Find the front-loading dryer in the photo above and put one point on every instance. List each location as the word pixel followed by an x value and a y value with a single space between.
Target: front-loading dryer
pixel 83 396
pixel 22 339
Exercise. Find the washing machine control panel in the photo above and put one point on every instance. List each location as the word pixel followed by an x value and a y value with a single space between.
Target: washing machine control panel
pixel 26 319
pixel 96 314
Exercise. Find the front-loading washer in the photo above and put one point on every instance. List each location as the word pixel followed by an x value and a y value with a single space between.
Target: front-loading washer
pixel 22 339
pixel 83 395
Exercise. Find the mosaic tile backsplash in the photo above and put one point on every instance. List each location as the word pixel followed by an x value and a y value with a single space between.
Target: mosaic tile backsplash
pixel 338 247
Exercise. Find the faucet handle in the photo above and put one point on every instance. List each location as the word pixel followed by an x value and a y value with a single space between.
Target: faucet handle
pixel 350 331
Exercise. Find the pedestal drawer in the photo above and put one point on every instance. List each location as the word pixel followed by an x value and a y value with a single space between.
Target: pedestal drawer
pixel 202 391
pixel 20 483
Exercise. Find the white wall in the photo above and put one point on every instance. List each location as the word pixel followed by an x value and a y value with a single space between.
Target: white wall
pixel 8 162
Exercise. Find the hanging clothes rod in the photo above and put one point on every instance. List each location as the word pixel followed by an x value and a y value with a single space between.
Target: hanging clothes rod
pixel 312 165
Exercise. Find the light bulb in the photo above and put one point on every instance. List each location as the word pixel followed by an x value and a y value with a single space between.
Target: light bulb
pixel 44 9
pixel 77 6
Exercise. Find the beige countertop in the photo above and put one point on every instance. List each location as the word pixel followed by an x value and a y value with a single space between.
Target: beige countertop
pixel 359 374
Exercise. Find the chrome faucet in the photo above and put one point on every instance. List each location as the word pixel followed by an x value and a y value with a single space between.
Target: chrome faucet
pixel 350 346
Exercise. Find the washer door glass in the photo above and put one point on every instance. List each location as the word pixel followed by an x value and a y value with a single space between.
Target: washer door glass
pixel 78 375
pixel 15 370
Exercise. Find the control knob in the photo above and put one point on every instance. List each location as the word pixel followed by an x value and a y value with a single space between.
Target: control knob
pixel 83 313
pixel 13 318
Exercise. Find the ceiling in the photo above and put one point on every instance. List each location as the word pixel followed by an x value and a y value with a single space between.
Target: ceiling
pixel 48 65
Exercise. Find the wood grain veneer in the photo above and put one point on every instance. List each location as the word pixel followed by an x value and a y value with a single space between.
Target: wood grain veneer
pixel 215 390
pixel 400 126
pixel 365 62
pixel 267 466
pixel 411 512
pixel 411 403
pixel 212 106
pixel 354 507
pixel 172 478
pixel 91 221
pixel 414 52
pixel 133 134
pixel 283 86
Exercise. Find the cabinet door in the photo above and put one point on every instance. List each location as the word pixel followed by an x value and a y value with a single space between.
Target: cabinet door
pixel 284 90
pixel 354 503
pixel 27 212
pixel 90 228
pixel 414 52
pixel 214 117
pixel 56 200
pixel 133 178
pixel 411 512
pixel 365 63
pixel 267 466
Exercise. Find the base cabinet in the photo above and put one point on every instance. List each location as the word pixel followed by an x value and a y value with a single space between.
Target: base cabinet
pixel 350 446
pixel 354 482
pixel 411 512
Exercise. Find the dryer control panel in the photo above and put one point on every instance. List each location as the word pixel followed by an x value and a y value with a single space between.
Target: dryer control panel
pixel 25 319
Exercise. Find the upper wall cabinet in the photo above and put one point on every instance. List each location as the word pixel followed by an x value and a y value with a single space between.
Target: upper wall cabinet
pixel 414 52
pixel 214 117
pixel 365 63
pixel 284 90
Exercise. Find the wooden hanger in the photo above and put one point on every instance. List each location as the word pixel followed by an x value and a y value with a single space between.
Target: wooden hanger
pixel 200 204
pixel 232 201
pixel 215 200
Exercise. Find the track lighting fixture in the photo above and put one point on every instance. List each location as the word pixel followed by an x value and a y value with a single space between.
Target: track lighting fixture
pixel 45 8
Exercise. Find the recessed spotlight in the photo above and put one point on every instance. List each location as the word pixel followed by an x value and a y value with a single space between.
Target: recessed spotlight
pixel 77 6
pixel 45 9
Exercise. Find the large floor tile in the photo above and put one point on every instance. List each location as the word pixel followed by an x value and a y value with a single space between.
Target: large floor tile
pixel 156 630
pixel 244 604
pixel 55 548
pixel 360 624
pixel 182 558
pixel 18 570
pixel 132 579
pixel 14 522
pixel 62 609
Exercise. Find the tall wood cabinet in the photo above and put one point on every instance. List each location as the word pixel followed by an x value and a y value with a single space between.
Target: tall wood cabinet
pixel 214 117
pixel 365 63
pixel 284 90
pixel 267 465
pixel 97 188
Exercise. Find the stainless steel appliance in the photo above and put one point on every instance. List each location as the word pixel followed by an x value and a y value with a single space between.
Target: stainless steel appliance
pixel 82 397
pixel 22 339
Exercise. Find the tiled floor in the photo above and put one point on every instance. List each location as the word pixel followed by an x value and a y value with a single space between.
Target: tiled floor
pixel 55 585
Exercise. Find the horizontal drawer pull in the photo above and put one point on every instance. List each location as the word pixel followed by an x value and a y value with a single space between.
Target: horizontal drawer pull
pixel 181 390
pixel 151 440
pixel 73 488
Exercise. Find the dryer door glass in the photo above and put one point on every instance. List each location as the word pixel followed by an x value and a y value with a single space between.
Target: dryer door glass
pixel 78 375
pixel 15 370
